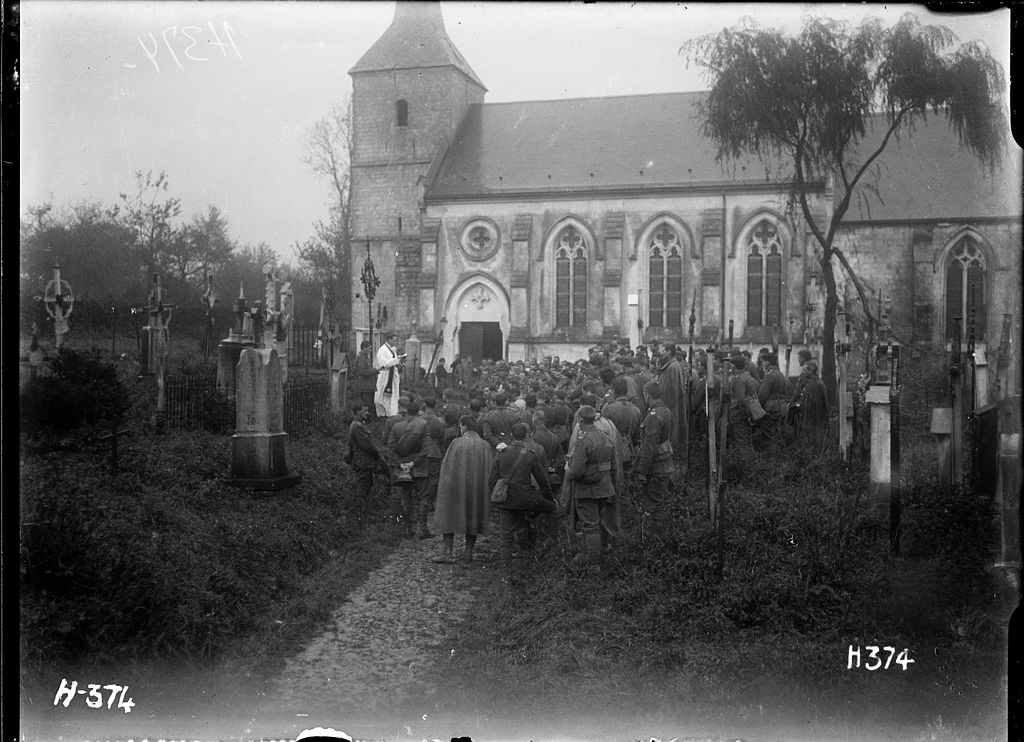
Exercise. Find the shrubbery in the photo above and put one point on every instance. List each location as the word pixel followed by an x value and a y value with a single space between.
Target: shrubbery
pixel 81 390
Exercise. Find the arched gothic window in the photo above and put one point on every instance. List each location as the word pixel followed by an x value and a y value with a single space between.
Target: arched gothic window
pixel 965 288
pixel 570 279
pixel 764 275
pixel 665 263
pixel 402 112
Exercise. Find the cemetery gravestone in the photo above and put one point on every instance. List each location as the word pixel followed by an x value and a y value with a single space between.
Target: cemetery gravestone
pixel 259 446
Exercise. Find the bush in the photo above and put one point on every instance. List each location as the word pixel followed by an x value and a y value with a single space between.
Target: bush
pixel 82 390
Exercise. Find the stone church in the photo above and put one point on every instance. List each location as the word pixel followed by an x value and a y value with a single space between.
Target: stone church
pixel 540 228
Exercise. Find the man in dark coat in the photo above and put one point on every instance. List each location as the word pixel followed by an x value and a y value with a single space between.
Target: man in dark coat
pixel 773 394
pixel 463 497
pixel 363 452
pixel 672 379
pixel 437 430
pixel 408 446
pixel 364 379
pixel 627 418
pixel 554 455
pixel 813 406
pixel 441 375
pixel 654 467
pixel 497 423
pixel 742 389
pixel 520 467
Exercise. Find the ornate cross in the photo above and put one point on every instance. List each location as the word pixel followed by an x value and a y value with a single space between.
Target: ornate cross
pixel 666 236
pixel 59 303
pixel 480 238
pixel 480 297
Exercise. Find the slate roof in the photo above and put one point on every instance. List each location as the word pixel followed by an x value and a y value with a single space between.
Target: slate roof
pixel 581 144
pixel 928 175
pixel 416 38
pixel 588 146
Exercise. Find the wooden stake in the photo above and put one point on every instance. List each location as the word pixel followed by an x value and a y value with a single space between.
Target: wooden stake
pixel 895 503
pixel 956 381
pixel 711 406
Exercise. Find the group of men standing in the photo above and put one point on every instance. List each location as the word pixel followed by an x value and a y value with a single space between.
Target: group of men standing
pixel 560 453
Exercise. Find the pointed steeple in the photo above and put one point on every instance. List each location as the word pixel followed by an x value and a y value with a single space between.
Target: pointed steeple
pixel 415 39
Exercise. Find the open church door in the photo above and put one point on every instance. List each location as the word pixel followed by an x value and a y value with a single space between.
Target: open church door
pixel 481 340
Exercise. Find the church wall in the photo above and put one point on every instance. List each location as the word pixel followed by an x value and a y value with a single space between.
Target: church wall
pixel 617 265
pixel 908 263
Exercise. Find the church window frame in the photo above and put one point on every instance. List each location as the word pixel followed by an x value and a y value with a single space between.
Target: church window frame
pixel 572 262
pixel 402 112
pixel 479 239
pixel 665 250
pixel 764 249
pixel 966 259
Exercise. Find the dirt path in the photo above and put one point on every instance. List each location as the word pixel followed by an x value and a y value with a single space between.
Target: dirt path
pixel 389 640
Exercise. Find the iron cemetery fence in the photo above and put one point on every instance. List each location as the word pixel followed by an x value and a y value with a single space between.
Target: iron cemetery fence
pixel 194 402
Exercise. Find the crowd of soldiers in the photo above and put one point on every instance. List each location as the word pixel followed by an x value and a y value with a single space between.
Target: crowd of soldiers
pixel 565 440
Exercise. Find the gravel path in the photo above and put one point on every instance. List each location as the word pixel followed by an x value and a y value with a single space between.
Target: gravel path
pixel 389 641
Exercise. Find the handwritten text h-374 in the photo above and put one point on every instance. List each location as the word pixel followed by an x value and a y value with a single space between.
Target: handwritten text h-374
pixel 191 43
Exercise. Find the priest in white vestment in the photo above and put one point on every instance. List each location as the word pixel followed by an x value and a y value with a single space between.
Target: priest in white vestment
pixel 388 377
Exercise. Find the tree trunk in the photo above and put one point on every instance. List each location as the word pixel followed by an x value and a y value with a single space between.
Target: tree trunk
pixel 828 334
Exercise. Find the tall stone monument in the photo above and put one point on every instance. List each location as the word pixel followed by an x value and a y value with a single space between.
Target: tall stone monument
pixel 230 348
pixel 259 447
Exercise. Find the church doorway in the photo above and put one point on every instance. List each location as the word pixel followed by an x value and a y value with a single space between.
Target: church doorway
pixel 481 340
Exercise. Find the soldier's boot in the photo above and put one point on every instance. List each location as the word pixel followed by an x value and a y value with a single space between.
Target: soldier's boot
pixel 447 547
pixel 590 554
pixel 424 511
pixel 470 544
pixel 408 508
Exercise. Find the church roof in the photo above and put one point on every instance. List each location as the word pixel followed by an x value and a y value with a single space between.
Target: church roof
pixel 582 144
pixel 415 39
pixel 929 175
pixel 585 147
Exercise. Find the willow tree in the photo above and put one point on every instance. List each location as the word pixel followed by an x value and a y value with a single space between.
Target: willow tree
pixel 810 101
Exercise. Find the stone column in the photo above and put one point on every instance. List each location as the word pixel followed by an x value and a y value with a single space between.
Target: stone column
pixel 1008 492
pixel 942 429
pixel 229 349
pixel 259 446
pixel 980 378
pixel 413 350
pixel 881 476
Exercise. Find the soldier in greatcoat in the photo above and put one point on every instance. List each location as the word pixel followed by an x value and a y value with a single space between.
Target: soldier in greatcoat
pixel 654 466
pixel 773 393
pixel 672 378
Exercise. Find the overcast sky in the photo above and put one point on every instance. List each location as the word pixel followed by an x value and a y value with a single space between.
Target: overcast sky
pixel 109 88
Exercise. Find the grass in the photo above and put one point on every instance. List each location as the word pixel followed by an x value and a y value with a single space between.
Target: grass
pixel 806 572
pixel 165 561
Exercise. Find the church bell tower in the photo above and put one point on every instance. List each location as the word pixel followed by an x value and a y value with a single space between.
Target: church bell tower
pixel 410 92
